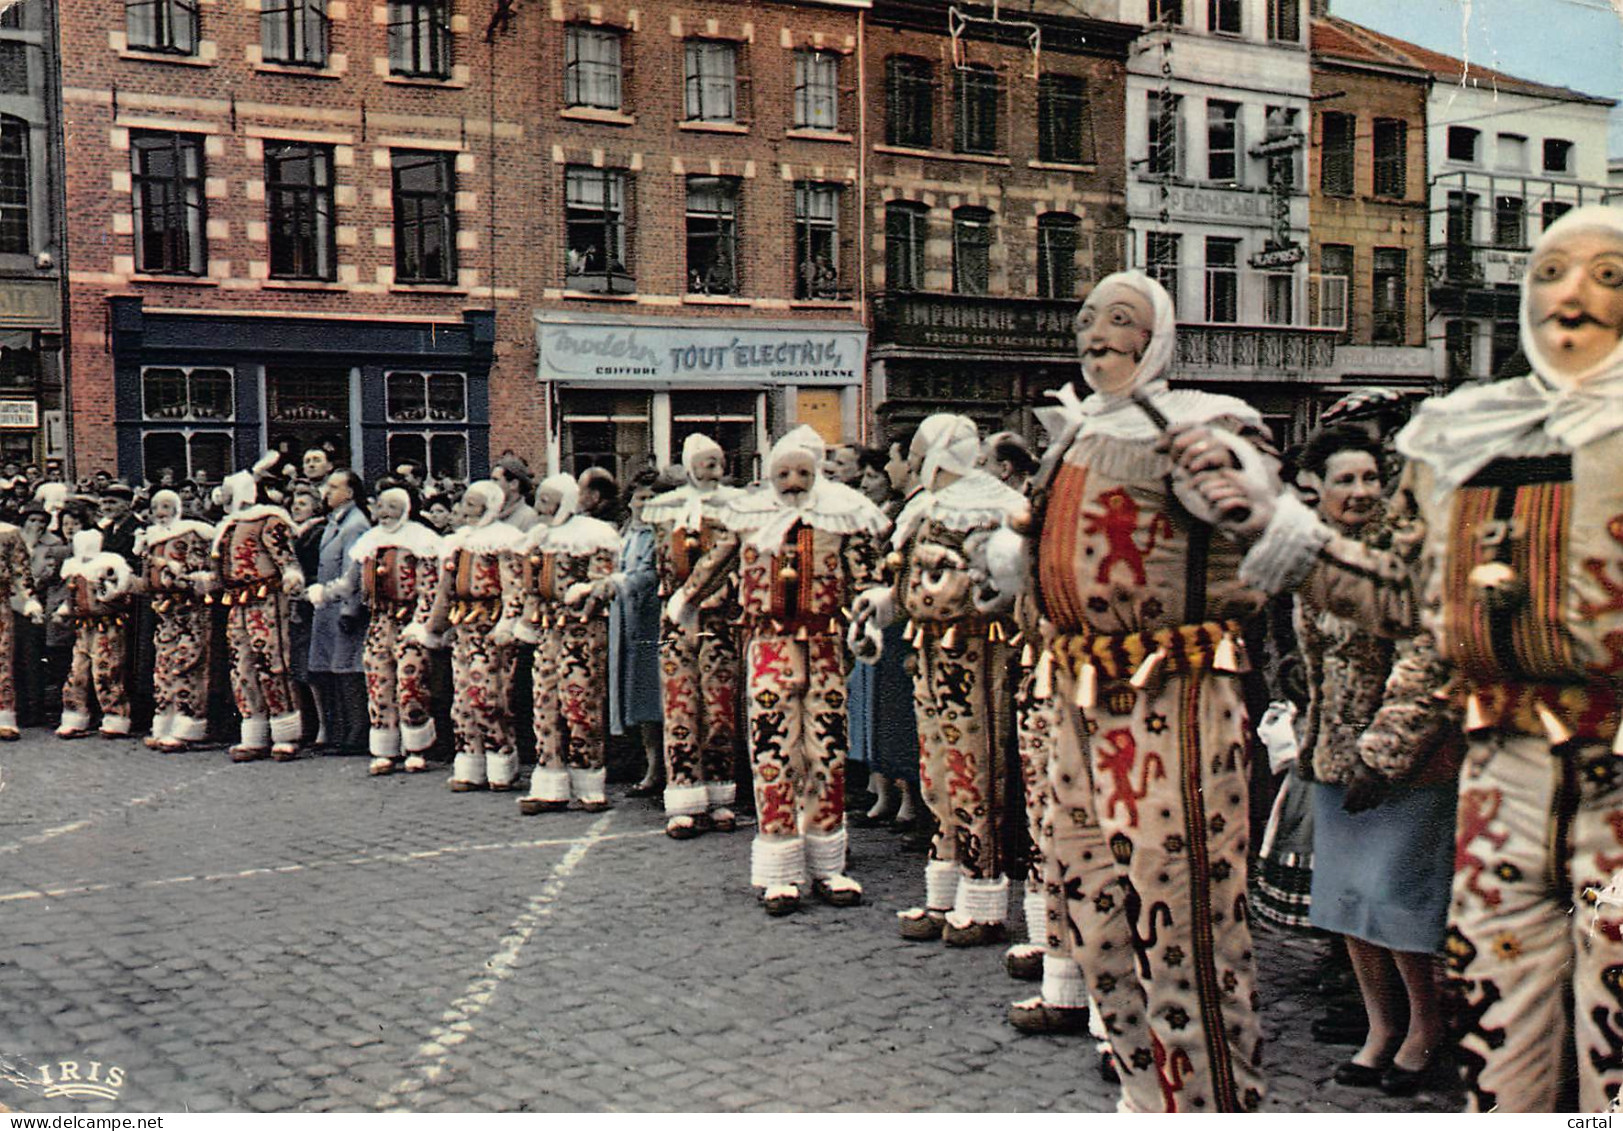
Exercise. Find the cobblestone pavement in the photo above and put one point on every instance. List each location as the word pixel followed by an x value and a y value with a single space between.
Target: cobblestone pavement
pixel 300 936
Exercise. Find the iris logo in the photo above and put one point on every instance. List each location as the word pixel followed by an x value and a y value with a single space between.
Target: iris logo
pixel 92 1081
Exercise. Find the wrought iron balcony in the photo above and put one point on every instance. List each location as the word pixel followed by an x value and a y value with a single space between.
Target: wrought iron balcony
pixel 1262 352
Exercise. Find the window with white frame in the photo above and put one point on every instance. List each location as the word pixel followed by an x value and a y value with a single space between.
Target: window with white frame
pixel 1165 156
pixel 166 177
pixel 1223 148
pixel 1223 16
pixel 712 235
pixel 817 241
pixel 817 90
pixel 1222 279
pixel 593 74
pixel 906 227
pixel 420 38
pixel 710 80
pixel 169 26
pixel 1056 255
pixel 431 400
pixel 971 250
pixel 1161 255
pixel 186 415
pixel 294 32
pixel 595 230
pixel 15 186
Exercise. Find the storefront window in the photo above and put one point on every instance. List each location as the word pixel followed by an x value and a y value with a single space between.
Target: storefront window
pixel 445 454
pixel 308 408
pixel 605 428
pixel 728 418
pixel 179 405
pixel 19 361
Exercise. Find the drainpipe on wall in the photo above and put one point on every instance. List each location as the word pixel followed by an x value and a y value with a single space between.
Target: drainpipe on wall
pixel 58 159
pixel 864 406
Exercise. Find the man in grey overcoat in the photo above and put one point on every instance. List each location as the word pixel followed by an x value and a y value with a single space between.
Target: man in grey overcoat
pixel 338 632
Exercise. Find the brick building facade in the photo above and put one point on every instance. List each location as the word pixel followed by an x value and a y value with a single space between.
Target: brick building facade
pixel 31 226
pixel 997 191
pixel 1368 199
pixel 700 207
pixel 289 229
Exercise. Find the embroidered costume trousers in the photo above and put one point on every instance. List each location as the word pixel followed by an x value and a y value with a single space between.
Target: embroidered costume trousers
pixel 397 692
pixel 11 658
pixel 571 674
pixel 1151 858
pixel 798 744
pixel 958 697
pixel 700 670
pixel 180 669
pixel 482 674
pixel 98 662
pixel 257 631
pixel 1035 722
pixel 1536 924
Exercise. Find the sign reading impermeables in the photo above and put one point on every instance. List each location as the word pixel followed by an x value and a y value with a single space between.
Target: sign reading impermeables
pixel 19 414
pixel 650 351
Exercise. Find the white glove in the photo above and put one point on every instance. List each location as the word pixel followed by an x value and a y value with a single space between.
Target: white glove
pixel 678 613
pixel 577 593
pixel 34 611
pixel 1006 576
pixel 1277 730
pixel 1254 475
pixel 293 582
pixel 316 595
pixel 866 641
pixel 618 580
pixel 873 606
pixel 525 632
pixel 502 635
pixel 416 633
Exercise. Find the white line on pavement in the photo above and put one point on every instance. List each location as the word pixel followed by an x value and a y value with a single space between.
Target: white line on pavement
pixel 456 1023
pixel 148 799
pixel 591 837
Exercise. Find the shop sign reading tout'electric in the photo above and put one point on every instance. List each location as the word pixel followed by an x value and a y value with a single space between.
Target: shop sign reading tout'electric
pixel 654 352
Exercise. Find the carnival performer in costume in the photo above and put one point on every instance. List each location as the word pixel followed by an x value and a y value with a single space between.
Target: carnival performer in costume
pixel 1518 597
pixel 99 585
pixel 1141 611
pixel 560 574
pixel 698 661
pixel 469 598
pixel 399 562
pixel 962 692
pixel 803 547
pixel 255 577
pixel 17 597
pixel 174 552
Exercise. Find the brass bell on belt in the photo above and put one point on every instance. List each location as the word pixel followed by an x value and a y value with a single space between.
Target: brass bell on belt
pixel 690 543
pixel 1501 588
pixel 894 560
pixel 788 574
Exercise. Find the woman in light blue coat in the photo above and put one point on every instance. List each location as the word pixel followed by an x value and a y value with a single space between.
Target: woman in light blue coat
pixel 634 692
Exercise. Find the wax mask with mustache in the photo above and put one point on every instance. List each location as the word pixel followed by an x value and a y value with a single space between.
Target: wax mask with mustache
pixel 1575 301
pixel 1113 329
pixel 793 477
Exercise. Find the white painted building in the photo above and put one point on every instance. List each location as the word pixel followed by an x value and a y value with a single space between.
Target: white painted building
pixel 1210 81
pixel 1505 158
